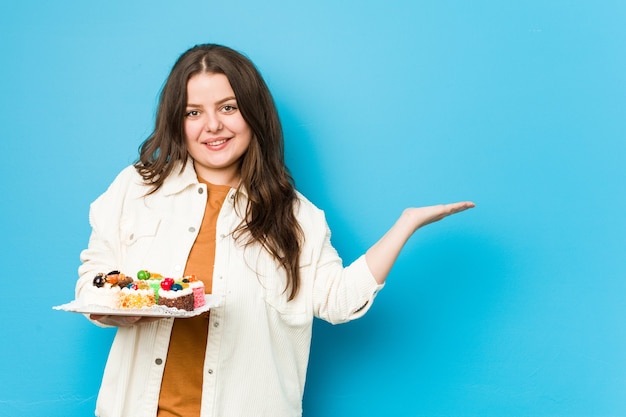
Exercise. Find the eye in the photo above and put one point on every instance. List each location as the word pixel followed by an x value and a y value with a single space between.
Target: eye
pixel 192 113
pixel 229 108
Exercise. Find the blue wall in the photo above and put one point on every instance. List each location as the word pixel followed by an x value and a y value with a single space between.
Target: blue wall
pixel 515 308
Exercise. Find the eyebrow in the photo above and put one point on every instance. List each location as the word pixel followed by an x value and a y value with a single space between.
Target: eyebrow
pixel 222 101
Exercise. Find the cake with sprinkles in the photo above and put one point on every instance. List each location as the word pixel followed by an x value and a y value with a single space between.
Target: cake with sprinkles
pixel 176 294
pixel 137 295
pixel 153 279
pixel 118 291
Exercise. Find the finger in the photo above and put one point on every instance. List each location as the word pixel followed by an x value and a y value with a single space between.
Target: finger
pixel 445 210
pixel 149 319
pixel 458 207
pixel 128 320
pixel 118 321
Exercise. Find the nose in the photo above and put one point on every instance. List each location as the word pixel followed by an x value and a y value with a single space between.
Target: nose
pixel 213 122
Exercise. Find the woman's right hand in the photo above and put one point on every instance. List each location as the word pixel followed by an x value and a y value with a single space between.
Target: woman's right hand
pixel 121 321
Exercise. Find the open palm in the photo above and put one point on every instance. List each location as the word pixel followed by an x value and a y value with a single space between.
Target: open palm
pixel 422 216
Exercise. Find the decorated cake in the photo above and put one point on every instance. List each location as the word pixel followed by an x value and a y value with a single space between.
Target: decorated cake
pixel 176 294
pixel 197 287
pixel 137 295
pixel 118 291
pixel 152 279
pixel 105 289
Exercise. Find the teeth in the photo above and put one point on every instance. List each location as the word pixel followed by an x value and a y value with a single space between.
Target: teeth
pixel 217 142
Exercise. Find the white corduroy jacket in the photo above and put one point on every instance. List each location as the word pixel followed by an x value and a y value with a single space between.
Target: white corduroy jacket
pixel 258 346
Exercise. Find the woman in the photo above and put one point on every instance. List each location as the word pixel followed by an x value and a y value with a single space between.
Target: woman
pixel 211 195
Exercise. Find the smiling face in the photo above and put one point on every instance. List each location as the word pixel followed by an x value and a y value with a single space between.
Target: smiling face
pixel 216 134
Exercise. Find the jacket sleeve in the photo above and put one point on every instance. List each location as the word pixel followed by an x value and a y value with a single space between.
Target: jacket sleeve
pixel 340 294
pixel 103 253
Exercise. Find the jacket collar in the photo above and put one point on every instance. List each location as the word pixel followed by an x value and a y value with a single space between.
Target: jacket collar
pixel 178 180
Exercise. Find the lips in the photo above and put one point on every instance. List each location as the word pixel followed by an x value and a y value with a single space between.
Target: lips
pixel 215 142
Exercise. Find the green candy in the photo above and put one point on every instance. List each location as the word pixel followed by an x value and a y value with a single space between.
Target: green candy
pixel 143 275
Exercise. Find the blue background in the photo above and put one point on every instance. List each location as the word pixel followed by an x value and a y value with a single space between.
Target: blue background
pixel 515 308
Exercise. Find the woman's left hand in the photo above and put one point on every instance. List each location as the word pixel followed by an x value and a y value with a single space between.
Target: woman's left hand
pixel 422 216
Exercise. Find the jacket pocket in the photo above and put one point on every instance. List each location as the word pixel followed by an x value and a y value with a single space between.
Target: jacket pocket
pixel 297 311
pixel 137 237
pixel 135 230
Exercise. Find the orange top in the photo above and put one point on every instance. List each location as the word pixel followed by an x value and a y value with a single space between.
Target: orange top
pixel 181 388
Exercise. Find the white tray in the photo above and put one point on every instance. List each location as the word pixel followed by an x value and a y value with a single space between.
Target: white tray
pixel 77 306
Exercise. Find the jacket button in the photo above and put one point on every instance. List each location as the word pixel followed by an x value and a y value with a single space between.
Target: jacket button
pixel 200 190
pixel 158 361
pixel 192 229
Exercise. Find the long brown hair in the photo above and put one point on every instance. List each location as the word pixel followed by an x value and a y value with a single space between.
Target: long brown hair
pixel 269 219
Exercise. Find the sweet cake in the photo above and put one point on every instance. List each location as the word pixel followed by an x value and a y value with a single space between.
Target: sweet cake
pixel 100 293
pixel 197 287
pixel 118 291
pixel 176 294
pixel 136 295
pixel 152 279
pixel 105 289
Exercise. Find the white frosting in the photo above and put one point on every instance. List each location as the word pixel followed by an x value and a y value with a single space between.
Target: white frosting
pixel 106 296
pixel 127 290
pixel 196 284
pixel 174 294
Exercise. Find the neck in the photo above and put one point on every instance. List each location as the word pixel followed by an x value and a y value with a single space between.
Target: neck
pixel 230 178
